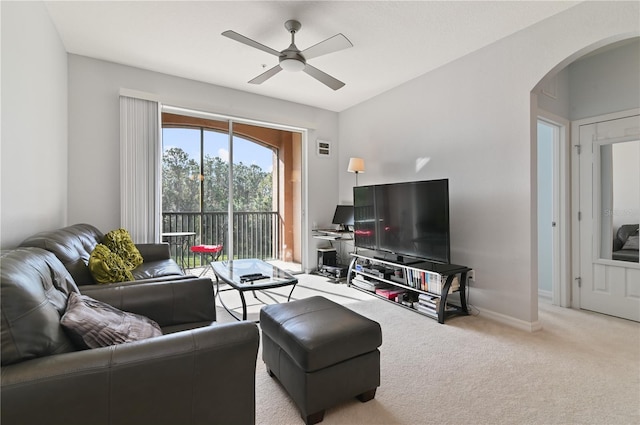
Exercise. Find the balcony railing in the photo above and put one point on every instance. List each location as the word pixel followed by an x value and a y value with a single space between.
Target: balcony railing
pixel 255 234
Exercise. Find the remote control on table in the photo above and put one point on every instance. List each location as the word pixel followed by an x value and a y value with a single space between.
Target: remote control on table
pixel 252 276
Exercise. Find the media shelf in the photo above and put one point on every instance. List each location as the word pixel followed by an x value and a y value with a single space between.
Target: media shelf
pixel 423 287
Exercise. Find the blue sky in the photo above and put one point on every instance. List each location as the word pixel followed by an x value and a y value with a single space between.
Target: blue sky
pixel 216 144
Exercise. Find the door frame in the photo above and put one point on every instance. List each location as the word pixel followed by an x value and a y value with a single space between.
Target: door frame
pixel 561 288
pixel 200 113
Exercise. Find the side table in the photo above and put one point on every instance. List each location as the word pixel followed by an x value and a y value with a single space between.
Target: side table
pixel 181 239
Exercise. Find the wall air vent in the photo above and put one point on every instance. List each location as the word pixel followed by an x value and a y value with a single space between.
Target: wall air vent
pixel 323 148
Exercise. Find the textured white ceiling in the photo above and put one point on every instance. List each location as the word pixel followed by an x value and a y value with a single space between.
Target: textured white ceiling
pixel 394 41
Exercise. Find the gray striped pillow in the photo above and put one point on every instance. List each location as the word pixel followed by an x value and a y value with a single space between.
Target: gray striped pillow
pixel 92 324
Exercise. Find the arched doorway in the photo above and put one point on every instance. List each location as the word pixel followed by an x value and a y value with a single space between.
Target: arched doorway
pixel 598 80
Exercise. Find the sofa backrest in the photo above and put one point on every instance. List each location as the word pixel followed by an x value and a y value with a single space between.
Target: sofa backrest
pixel 34 287
pixel 73 246
pixel 625 231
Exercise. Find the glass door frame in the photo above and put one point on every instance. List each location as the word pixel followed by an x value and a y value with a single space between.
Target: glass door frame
pixel 304 239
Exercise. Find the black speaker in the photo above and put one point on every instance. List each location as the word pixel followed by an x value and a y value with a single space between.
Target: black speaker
pixel 327 257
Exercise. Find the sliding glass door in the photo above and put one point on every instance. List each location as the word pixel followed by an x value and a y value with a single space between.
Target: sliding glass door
pixel 233 184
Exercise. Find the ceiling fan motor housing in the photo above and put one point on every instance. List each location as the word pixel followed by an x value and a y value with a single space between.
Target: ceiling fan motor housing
pixel 292 60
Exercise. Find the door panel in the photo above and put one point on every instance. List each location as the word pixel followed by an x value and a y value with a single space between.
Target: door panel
pixel 633 284
pixel 606 202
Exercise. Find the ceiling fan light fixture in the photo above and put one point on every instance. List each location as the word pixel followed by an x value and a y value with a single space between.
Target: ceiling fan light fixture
pixel 293 59
pixel 292 65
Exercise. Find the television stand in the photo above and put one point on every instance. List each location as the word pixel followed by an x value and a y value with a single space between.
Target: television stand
pixel 423 287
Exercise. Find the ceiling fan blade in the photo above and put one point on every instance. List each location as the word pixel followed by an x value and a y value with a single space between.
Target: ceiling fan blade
pixel 330 45
pixel 266 75
pixel 249 42
pixel 324 78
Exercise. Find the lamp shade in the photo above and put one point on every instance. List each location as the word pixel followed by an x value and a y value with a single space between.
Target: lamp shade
pixel 356 165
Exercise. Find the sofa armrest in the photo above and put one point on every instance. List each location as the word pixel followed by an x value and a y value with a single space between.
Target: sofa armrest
pixel 205 375
pixel 154 251
pixel 169 302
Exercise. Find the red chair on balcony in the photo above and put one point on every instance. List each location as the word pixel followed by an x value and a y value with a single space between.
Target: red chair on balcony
pixel 212 251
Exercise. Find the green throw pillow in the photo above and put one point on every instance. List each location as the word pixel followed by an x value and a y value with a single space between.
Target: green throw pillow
pixel 119 241
pixel 107 267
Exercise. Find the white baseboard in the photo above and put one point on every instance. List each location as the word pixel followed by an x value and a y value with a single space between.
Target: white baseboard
pixel 510 321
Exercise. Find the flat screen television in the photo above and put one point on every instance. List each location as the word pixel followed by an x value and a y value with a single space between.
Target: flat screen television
pixel 343 216
pixel 405 219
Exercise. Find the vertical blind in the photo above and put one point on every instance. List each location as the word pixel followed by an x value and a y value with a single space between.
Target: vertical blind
pixel 140 169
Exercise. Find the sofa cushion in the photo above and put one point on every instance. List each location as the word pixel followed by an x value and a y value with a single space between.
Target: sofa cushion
pixel 34 289
pixel 94 324
pixel 157 269
pixel 119 242
pixel 631 243
pixel 108 267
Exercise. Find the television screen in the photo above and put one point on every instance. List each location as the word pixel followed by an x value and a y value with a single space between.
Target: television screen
pixel 343 215
pixel 409 219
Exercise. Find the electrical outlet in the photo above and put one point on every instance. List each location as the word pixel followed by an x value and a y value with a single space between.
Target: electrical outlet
pixel 472 276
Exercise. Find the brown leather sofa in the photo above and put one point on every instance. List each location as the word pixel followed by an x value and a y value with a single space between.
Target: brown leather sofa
pixel 196 372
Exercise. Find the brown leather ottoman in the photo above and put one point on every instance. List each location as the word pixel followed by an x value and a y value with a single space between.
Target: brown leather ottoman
pixel 321 352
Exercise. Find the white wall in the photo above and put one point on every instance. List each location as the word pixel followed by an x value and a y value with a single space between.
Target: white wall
pixel 595 82
pixel 94 183
pixel 472 119
pixel 598 84
pixel 553 94
pixel 34 123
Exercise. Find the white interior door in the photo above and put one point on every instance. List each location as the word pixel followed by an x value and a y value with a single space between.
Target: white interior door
pixel 548 210
pixel 609 197
pixel 554 216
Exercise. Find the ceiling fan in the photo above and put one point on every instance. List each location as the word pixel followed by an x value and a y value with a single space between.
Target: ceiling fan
pixel 293 59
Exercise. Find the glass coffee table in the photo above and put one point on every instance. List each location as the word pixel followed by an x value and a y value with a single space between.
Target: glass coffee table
pixel 249 275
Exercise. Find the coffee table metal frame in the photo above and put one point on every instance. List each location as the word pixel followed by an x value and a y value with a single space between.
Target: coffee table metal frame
pixel 230 272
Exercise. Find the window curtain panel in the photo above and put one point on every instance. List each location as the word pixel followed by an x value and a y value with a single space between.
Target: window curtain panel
pixel 140 179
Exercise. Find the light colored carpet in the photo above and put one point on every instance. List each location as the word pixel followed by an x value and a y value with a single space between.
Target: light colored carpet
pixel 582 368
